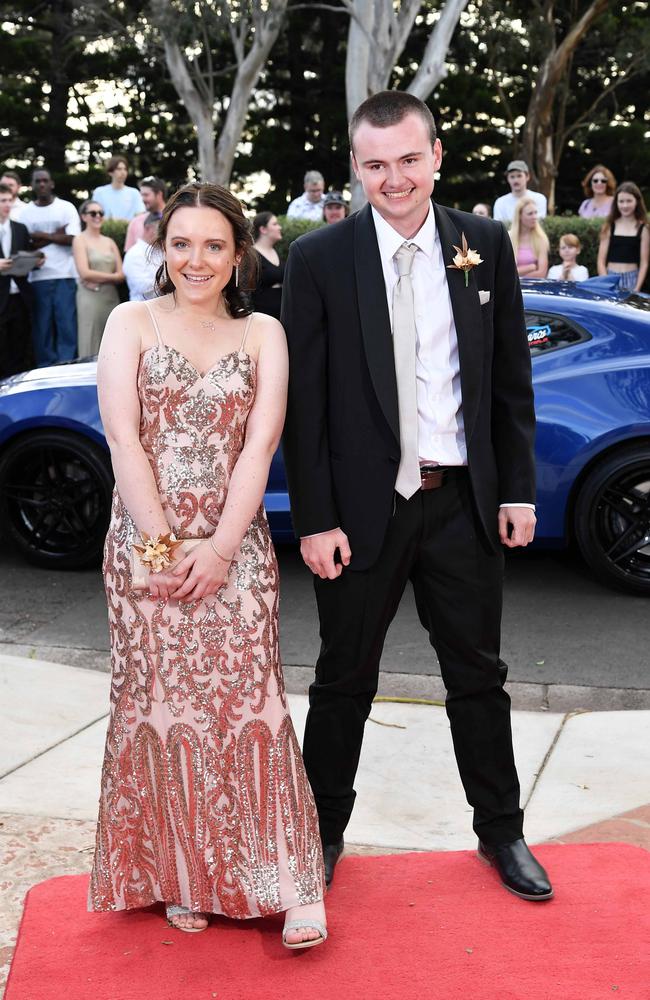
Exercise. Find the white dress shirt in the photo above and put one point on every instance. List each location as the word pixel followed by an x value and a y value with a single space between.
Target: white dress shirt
pixel 5 245
pixel 441 431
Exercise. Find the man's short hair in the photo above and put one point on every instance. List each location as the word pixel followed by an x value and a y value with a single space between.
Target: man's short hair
pixel 314 177
pixel 5 189
pixel 152 219
pixel 390 107
pixel 155 184
pixel 11 173
pixel 115 162
pixel 41 170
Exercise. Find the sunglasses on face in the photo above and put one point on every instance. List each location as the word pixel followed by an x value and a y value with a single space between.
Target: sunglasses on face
pixel 599 180
pixel 95 214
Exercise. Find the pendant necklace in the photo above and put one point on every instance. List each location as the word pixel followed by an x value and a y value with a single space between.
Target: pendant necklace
pixel 208 324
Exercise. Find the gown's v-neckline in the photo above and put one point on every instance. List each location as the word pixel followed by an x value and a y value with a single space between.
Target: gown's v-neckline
pixel 215 364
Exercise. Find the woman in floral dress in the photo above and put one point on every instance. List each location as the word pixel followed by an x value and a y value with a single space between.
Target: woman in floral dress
pixel 204 801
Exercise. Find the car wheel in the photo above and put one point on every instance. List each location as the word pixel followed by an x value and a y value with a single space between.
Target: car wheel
pixel 55 498
pixel 612 519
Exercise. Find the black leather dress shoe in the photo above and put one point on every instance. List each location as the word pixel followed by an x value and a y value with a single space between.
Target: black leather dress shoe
pixel 331 854
pixel 519 871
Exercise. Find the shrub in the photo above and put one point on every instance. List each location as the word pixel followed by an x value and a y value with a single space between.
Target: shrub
pixel 116 230
pixel 291 230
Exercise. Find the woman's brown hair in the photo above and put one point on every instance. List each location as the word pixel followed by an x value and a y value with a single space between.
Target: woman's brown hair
pixel 197 195
pixel 610 187
pixel 640 211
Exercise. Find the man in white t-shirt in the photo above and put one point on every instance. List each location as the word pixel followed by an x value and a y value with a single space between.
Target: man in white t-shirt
pixel 118 200
pixel 517 175
pixel 52 224
pixel 141 261
pixel 310 204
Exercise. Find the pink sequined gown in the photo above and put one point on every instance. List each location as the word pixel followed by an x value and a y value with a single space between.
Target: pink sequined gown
pixel 204 799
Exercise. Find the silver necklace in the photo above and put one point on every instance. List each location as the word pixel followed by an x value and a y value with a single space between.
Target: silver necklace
pixel 208 324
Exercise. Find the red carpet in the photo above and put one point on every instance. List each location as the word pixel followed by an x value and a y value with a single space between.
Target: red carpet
pixel 403 927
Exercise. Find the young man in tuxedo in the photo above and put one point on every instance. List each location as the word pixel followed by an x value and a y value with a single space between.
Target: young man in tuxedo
pixel 16 353
pixel 409 455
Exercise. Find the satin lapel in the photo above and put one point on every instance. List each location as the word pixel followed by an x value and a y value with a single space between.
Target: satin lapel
pixel 375 320
pixel 466 307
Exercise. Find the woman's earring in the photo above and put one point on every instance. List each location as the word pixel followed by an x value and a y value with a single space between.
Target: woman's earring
pixel 236 275
pixel 165 275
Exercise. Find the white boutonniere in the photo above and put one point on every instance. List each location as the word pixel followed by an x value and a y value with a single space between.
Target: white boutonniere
pixel 465 258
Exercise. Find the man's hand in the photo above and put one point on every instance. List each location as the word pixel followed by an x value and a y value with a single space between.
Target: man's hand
pixel 318 553
pixel 5 263
pixel 522 520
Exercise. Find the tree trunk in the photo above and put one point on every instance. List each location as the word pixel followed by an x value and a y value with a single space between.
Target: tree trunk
pixel 216 158
pixel 538 131
pixel 376 39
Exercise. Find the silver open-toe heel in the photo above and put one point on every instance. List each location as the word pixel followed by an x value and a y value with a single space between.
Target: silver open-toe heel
pixel 296 925
pixel 172 910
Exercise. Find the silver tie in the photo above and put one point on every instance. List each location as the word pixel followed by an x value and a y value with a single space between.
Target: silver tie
pixel 404 335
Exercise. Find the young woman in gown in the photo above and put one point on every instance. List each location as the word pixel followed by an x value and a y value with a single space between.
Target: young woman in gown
pixel 204 800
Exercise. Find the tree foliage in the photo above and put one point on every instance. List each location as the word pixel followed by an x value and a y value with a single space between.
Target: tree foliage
pixel 79 80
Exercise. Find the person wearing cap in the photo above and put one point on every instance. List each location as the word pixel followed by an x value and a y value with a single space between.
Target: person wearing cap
pixel 153 192
pixel 141 261
pixel 310 203
pixel 517 174
pixel 334 207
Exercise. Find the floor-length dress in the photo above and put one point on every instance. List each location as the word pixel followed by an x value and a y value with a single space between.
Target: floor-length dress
pixel 204 797
pixel 94 307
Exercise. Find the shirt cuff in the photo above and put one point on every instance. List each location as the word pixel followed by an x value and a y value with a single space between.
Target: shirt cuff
pixel 528 506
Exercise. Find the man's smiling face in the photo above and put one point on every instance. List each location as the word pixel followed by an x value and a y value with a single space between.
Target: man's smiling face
pixel 396 166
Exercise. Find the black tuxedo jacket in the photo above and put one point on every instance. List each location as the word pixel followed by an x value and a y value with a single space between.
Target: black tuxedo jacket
pixel 20 240
pixel 341 440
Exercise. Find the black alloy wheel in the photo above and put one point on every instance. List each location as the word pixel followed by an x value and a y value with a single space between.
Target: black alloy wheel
pixel 612 519
pixel 55 498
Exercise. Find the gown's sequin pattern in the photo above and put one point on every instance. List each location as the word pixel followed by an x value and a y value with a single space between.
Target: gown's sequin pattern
pixel 204 798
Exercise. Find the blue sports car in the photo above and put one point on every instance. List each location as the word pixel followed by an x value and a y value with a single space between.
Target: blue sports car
pixel 591 365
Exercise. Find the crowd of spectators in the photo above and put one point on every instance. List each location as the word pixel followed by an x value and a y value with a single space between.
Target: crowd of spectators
pixel 57 310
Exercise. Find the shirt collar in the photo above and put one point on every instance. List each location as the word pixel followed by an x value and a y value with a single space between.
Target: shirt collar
pixel 390 240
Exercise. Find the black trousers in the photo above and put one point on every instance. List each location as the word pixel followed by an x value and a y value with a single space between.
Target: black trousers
pixel 435 540
pixel 16 354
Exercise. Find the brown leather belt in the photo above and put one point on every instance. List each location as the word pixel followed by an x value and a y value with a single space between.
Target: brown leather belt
pixel 432 478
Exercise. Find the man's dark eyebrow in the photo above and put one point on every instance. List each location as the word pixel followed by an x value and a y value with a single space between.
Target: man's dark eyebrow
pixel 404 156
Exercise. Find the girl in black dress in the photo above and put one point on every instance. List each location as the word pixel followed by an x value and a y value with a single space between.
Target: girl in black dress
pixel 625 239
pixel 268 294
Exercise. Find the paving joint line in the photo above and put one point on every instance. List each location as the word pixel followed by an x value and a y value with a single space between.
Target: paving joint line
pixel 548 754
pixel 53 746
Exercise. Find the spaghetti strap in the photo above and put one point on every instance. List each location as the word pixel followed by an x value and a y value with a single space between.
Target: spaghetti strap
pixel 246 329
pixel 161 342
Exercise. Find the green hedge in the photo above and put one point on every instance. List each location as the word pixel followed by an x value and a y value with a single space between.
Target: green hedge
pixel 587 231
pixel 116 229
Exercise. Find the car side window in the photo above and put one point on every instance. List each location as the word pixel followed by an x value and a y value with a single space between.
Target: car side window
pixel 551 333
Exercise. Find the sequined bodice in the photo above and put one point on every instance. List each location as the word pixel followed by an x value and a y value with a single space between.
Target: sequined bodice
pixel 192 429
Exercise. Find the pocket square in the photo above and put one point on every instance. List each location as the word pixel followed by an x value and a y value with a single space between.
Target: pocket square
pixel 483 297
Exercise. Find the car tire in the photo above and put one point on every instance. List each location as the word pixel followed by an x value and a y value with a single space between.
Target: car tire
pixel 612 519
pixel 55 498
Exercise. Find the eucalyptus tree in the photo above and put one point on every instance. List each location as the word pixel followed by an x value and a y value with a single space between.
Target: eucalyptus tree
pixel 205 44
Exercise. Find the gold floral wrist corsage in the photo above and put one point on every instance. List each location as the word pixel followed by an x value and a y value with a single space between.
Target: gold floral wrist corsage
pixel 157 552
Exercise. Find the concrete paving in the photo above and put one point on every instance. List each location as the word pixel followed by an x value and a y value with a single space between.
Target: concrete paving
pixel 576 770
